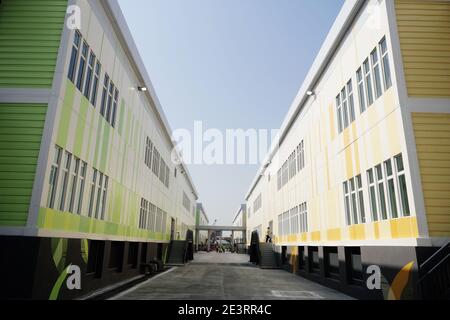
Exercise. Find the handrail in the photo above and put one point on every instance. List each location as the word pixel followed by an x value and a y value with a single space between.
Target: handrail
pixel 425 276
pixel 435 255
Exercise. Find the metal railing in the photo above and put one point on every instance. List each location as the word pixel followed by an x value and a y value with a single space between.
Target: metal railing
pixel 434 282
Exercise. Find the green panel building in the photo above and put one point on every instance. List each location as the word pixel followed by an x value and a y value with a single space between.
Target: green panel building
pixel 86 171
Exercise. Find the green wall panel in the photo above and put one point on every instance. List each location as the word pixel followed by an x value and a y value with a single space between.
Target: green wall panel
pixel 30 34
pixel 21 128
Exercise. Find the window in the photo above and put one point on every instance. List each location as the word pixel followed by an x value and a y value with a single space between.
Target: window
pixel 74 56
pixel 152 217
pixel 54 174
pixel 65 180
pixel 104 95
pixel 345 116
pixel 292 165
pixel 73 183
pixel 301 156
pixel 389 171
pixel 294 221
pixel 285 174
pixel 354 201
pixel 257 204
pixel 385 64
pixel 82 66
pixel 110 102
pixel 166 183
pixel 361 208
pixel 143 214
pixel 372 194
pixel 156 159
pixel 98 68
pixel 351 100
pixel 80 190
pixel 89 74
pixel 114 111
pixel 303 216
pixel 148 153
pixel 162 172
pixel 286 220
pixel 361 95
pixel 99 192
pixel 381 192
pixel 402 186
pixel 186 202
pixel 376 73
pixel 339 114
pixel 368 82
pixel 92 196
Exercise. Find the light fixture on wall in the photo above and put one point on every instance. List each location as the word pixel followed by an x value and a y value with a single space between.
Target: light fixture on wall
pixel 142 89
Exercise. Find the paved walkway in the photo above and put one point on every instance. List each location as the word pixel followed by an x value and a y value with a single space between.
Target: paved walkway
pixel 226 276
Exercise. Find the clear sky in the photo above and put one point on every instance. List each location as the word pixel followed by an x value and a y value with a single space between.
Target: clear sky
pixel 231 64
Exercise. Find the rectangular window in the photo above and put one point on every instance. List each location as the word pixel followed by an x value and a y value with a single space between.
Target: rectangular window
pixel 149 153
pixel 166 183
pixel 285 176
pixel 162 171
pixel 389 171
pixel 110 102
pixel 82 66
pixel 351 101
pixel 114 111
pixel 403 190
pixel 74 172
pixel 80 191
pixel 104 197
pixel 286 226
pixel 361 95
pixel 303 216
pixel 381 192
pixel 294 221
pixel 104 95
pixel 385 64
pixel 346 119
pixel 372 195
pixel 89 74
pixel 156 160
pixel 98 201
pixel 74 56
pixel 65 180
pixel 152 217
pixel 354 201
pixel 98 68
pixel 368 82
pixel 54 177
pixel 92 195
pixel 301 156
pixel 361 208
pixel 347 207
pixel 257 204
pixel 339 114
pixel 376 73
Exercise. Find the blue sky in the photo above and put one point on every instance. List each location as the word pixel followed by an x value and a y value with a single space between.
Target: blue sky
pixel 231 64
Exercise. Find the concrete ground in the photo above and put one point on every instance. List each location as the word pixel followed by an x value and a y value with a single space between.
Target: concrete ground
pixel 226 276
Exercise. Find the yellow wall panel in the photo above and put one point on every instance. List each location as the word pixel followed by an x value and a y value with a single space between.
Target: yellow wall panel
pixel 425 43
pixel 432 132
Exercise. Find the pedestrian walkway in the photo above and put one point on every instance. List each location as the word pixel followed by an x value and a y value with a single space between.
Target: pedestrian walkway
pixel 226 276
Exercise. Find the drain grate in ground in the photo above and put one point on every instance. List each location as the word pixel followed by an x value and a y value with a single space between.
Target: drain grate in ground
pixel 306 295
